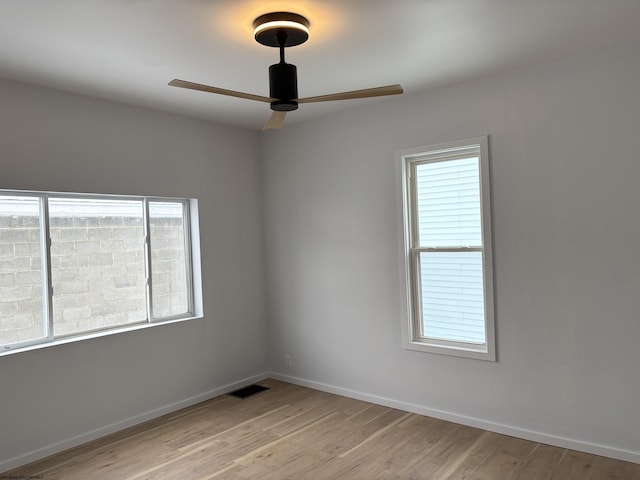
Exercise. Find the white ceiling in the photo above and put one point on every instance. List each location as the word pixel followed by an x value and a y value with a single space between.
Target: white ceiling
pixel 128 50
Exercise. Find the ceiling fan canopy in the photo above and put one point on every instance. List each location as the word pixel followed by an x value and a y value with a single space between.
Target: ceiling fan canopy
pixel 268 28
pixel 282 30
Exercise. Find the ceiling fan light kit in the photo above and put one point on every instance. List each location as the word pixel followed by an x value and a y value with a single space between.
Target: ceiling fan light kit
pixel 282 30
pixel 267 27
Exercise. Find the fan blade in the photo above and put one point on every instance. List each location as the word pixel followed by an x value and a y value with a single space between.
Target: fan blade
pixel 206 88
pixel 275 121
pixel 365 93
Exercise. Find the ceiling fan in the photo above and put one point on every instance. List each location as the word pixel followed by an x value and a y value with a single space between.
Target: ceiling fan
pixel 281 30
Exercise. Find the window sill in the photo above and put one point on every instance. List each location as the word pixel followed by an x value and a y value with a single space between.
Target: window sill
pixel 4 351
pixel 478 352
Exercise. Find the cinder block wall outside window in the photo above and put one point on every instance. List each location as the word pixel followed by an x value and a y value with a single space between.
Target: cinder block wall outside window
pixel 97 268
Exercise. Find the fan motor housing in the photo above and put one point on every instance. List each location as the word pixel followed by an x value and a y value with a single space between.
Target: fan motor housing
pixel 283 86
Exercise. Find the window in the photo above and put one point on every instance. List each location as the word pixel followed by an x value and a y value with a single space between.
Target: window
pixel 73 265
pixel 448 279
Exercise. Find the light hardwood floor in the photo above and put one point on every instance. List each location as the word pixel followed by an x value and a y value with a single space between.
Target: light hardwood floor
pixel 295 433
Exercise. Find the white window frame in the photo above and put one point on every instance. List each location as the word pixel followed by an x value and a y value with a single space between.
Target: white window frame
pixel 192 269
pixel 406 159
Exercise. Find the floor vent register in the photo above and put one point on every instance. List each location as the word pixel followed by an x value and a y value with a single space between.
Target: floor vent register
pixel 249 391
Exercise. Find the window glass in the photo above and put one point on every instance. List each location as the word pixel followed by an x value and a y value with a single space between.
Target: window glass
pixel 448 201
pixel 451 287
pixel 21 278
pixel 78 265
pixel 168 259
pixel 97 263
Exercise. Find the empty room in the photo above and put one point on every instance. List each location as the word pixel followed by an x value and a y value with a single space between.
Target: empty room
pixel 320 239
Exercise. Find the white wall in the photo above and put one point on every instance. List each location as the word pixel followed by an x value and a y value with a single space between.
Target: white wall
pixel 564 150
pixel 54 397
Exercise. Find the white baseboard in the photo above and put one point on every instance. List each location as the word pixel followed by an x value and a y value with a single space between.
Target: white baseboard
pixel 513 431
pixel 57 447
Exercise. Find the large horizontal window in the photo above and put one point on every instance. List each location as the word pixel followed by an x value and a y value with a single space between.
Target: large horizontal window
pixel 73 265
pixel 447 249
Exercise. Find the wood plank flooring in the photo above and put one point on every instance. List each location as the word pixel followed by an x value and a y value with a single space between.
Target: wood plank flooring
pixel 295 433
